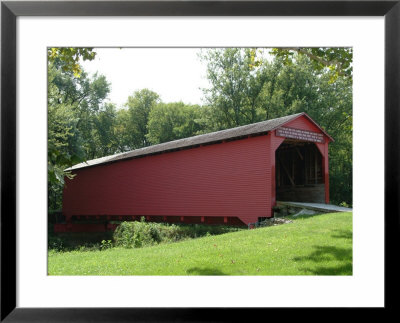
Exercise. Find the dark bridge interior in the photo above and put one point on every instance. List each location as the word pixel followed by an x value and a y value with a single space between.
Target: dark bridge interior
pixel 299 173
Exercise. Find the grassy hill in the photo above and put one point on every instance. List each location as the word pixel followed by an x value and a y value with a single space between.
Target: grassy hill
pixel 311 245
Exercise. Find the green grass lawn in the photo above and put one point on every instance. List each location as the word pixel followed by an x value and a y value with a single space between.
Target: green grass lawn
pixel 311 245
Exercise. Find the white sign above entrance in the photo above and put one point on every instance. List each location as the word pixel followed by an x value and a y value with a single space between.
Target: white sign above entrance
pixel 300 134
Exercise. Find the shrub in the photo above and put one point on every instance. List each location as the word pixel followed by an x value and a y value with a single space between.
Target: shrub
pixel 344 204
pixel 105 244
pixel 137 234
pixel 140 234
pixel 55 243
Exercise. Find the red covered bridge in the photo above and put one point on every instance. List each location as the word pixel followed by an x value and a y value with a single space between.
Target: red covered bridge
pixel 233 176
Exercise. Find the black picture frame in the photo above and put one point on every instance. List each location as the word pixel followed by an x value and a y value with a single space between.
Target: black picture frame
pixel 10 10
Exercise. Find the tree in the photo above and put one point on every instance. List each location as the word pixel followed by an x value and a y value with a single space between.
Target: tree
pixel 122 137
pixel 68 58
pixel 105 122
pixel 337 59
pixel 139 106
pixel 237 83
pixel 171 121
pixel 85 95
pixel 63 143
pixel 72 107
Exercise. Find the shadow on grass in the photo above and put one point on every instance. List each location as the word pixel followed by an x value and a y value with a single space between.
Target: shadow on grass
pixel 205 271
pixel 326 254
pixel 342 234
pixel 345 270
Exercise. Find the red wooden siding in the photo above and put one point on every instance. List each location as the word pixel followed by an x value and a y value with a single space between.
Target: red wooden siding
pixel 230 179
pixel 302 123
pixel 273 144
pixel 323 148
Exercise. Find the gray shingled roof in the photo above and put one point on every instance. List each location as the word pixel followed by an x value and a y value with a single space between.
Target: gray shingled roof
pixel 251 129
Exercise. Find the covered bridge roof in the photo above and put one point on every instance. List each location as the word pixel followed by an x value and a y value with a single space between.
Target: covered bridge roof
pixel 251 129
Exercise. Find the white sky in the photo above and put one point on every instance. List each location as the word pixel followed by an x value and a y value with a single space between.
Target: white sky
pixel 176 74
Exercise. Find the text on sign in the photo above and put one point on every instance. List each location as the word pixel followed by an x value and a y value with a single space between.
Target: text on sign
pixel 300 134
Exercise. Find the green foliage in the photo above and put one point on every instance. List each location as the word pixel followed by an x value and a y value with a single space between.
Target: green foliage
pixel 68 58
pixel 137 234
pixel 73 108
pixel 55 243
pixel 82 241
pixel 105 127
pixel 237 81
pixel 84 97
pixel 139 106
pixel 338 61
pixel 141 234
pixel 106 244
pixel 201 230
pixel 171 121
pixel 63 144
